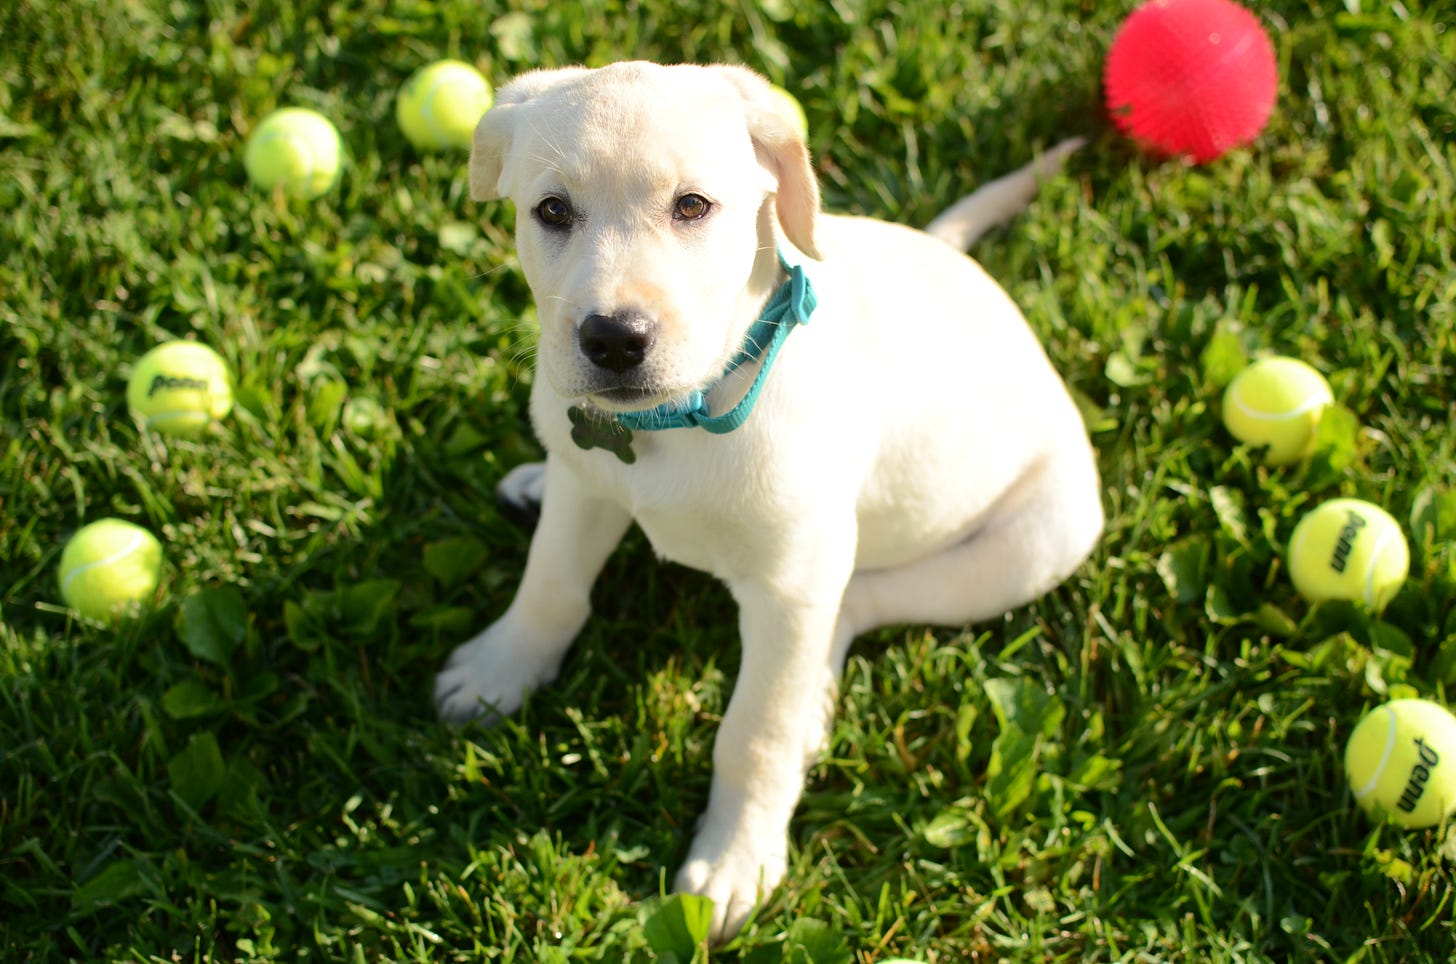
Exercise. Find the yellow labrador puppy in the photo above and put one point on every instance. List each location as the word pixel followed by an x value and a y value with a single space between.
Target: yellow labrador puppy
pixel 846 421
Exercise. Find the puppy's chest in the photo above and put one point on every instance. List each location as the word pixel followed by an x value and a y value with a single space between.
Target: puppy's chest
pixel 705 526
pixel 705 541
pixel 698 513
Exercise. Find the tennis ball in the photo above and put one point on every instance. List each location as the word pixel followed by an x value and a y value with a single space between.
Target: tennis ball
pixel 1401 762
pixel 1276 403
pixel 439 106
pixel 795 108
pixel 109 568
pixel 178 388
pixel 297 149
pixel 1348 549
pixel 1192 78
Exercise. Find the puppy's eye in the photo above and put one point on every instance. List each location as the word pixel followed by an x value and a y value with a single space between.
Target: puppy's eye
pixel 554 212
pixel 691 207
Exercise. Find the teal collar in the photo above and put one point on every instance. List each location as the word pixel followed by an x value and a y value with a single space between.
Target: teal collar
pixel 790 306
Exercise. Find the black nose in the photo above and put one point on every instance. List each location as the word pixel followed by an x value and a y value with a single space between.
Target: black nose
pixel 617 342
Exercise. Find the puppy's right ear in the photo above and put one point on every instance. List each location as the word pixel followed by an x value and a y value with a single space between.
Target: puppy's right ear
pixel 490 152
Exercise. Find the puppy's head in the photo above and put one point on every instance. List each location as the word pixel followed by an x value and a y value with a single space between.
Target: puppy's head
pixel 646 200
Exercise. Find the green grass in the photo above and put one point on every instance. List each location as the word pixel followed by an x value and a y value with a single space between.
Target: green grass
pixel 1143 766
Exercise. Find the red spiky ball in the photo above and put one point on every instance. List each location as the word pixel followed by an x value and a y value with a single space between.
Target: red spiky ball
pixel 1191 78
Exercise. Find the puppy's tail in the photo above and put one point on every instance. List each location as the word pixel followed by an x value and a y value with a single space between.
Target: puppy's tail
pixel 1002 199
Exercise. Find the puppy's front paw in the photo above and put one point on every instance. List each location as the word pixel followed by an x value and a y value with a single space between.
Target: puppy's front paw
pixel 491 675
pixel 735 870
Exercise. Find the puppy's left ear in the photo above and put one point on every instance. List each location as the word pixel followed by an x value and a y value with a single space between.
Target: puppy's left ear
pixel 774 126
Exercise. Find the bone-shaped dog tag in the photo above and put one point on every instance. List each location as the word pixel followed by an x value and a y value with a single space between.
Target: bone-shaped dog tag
pixel 591 429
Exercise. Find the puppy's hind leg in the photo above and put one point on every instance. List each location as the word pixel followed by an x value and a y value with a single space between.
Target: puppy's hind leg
pixel 1040 532
pixel 520 494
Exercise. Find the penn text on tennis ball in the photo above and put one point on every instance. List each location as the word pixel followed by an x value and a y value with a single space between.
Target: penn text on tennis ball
pixel 439 106
pixel 1276 404
pixel 1191 78
pixel 1401 762
pixel 296 149
pixel 179 388
pixel 1348 549
pixel 110 568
